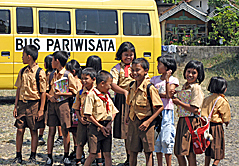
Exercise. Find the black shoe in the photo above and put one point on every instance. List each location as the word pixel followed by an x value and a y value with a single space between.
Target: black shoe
pixel 49 162
pixel 66 161
pixel 72 155
pixel 16 160
pixel 58 142
pixel 31 161
pixel 126 163
pixel 41 141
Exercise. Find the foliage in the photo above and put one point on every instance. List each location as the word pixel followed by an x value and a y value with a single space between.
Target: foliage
pixel 226 26
pixel 217 3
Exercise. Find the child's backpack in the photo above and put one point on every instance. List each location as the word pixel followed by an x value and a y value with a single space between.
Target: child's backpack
pixel 201 137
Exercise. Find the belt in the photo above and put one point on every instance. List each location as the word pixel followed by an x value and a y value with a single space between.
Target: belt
pixel 30 101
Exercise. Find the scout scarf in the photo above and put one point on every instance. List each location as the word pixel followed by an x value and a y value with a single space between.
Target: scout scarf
pixel 126 71
pixel 103 98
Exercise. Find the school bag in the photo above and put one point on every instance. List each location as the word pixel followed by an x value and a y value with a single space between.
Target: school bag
pixel 201 137
pixel 158 120
pixel 37 76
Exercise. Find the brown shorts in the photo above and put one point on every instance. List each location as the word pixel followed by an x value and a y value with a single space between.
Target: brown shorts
pixel 81 135
pixel 97 141
pixel 27 114
pixel 137 139
pixel 216 149
pixel 183 141
pixel 59 114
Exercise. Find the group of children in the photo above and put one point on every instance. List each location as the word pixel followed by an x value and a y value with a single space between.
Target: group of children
pixel 131 114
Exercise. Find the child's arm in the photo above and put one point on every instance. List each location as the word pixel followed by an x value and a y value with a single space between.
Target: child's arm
pixel 145 124
pixel 81 119
pixel 41 110
pixel 170 88
pixel 188 107
pixel 102 128
pixel 119 90
pixel 16 101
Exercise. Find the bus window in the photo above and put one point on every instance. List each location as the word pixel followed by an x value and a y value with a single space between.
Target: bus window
pixel 24 21
pixel 55 22
pixel 136 24
pixel 96 22
pixel 5 27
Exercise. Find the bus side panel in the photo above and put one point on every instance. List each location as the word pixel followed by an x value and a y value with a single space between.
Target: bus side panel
pixel 6 48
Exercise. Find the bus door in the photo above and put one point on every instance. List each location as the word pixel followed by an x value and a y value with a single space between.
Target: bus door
pixel 137 29
pixel 6 48
pixel 24 34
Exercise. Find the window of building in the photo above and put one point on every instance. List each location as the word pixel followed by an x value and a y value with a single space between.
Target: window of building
pixel 96 22
pixel 201 28
pixel 136 24
pixel 5 27
pixel 186 28
pixel 24 20
pixel 55 22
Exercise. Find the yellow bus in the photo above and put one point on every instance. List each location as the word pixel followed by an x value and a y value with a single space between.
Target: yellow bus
pixel 80 27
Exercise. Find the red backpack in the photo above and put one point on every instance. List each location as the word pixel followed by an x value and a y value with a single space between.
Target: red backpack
pixel 201 137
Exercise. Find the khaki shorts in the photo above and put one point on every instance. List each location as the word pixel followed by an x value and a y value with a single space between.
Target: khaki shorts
pixel 59 114
pixel 82 133
pixel 137 139
pixel 27 113
pixel 97 141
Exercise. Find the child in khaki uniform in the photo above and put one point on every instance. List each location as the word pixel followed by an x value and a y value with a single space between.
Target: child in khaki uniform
pixel 59 112
pixel 141 129
pixel 88 77
pixel 29 102
pixel 100 111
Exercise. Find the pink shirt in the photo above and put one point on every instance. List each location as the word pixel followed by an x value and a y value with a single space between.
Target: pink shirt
pixel 161 86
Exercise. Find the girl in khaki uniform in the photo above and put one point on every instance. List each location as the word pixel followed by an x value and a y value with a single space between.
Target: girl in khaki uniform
pixel 221 114
pixel 121 79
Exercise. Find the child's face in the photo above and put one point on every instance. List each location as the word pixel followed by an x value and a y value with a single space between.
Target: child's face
pixel 25 58
pixel 105 86
pixel 161 68
pixel 127 57
pixel 87 81
pixel 138 72
pixel 191 75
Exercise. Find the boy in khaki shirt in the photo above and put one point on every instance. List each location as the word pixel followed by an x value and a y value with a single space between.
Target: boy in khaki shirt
pixel 29 102
pixel 88 77
pixel 59 112
pixel 141 129
pixel 100 111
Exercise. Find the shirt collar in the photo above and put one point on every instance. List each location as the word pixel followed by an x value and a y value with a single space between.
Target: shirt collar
pixel 62 71
pixel 122 64
pixel 33 69
pixel 142 86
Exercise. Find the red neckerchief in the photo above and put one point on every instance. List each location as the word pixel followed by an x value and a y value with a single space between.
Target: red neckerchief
pixel 126 71
pixel 104 99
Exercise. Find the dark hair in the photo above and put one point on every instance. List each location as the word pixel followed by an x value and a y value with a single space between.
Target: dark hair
pixel 142 61
pixel 89 71
pixel 32 51
pixel 169 62
pixel 94 62
pixel 217 85
pixel 62 56
pixel 102 76
pixel 48 60
pixel 198 66
pixel 68 66
pixel 124 47
pixel 74 65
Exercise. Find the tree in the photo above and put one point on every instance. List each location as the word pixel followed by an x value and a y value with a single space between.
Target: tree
pixel 226 26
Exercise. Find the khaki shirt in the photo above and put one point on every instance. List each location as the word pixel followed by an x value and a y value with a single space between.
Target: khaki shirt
pixel 27 83
pixel 94 106
pixel 71 81
pixel 196 94
pixel 138 102
pixel 119 77
pixel 221 111
pixel 79 100
pixel 78 84
pixel 47 80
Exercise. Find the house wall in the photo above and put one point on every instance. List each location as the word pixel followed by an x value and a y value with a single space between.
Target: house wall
pixel 203 7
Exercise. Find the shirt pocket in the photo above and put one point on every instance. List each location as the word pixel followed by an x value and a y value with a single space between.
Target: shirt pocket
pixel 141 104
pixel 99 108
pixel 32 82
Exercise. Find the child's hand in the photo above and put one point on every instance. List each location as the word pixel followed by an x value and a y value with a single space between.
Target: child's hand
pixel 40 115
pixel 168 74
pixel 104 131
pixel 83 120
pixel 226 123
pixel 127 120
pixel 144 125
pixel 15 113
pixel 176 101
pixel 52 99
pixel 109 128
pixel 57 93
